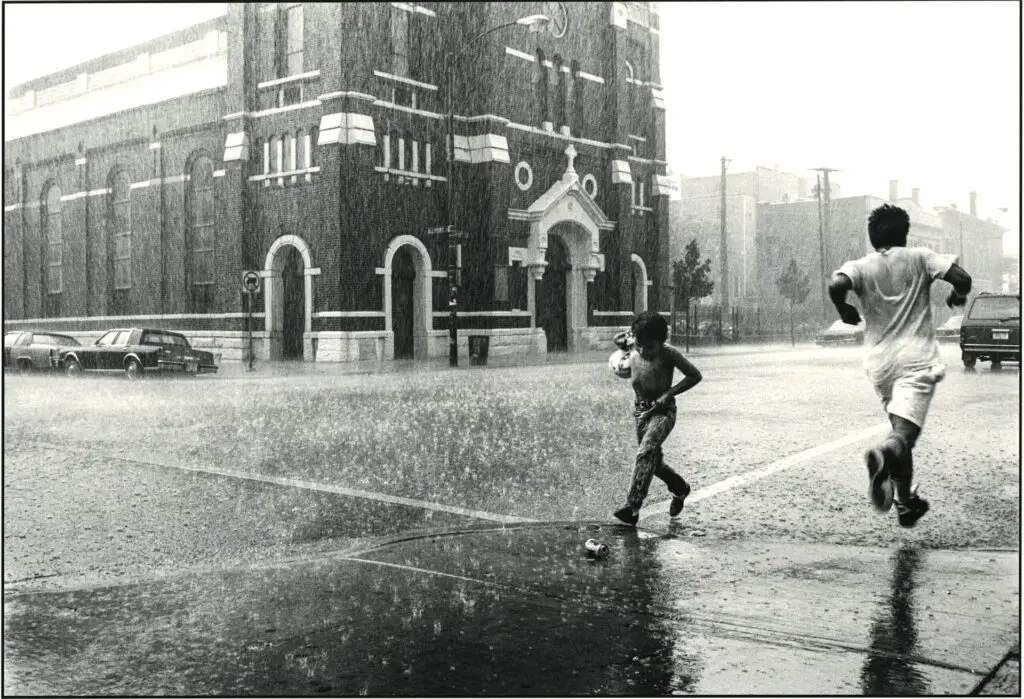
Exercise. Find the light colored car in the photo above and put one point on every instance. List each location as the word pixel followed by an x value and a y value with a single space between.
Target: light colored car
pixel 839 333
pixel 950 330
pixel 31 350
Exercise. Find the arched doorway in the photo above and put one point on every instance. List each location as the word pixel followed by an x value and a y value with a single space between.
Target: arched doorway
pixel 288 274
pixel 293 290
pixel 639 275
pixel 403 289
pixel 552 300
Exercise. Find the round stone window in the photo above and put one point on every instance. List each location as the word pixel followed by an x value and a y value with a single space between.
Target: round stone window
pixel 590 186
pixel 524 175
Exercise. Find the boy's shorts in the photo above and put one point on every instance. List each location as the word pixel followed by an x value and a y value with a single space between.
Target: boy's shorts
pixel 910 394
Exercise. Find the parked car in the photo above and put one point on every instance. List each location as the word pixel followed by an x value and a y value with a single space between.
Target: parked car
pixel 137 352
pixel 839 333
pixel 30 350
pixel 950 330
pixel 990 330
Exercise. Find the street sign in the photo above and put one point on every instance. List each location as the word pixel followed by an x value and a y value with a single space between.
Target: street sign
pixel 251 281
pixel 440 230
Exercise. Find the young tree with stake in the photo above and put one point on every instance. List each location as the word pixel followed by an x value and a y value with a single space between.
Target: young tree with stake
pixel 794 286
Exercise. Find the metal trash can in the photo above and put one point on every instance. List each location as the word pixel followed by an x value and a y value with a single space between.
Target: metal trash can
pixel 478 346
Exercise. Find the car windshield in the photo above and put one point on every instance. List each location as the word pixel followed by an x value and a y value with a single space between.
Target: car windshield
pixel 995 308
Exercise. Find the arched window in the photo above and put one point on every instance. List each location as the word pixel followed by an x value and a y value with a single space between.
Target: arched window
pixel 54 241
pixel 202 218
pixel 540 84
pixel 630 73
pixel 119 229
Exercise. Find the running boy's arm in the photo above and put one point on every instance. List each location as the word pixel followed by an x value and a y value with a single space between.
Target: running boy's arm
pixel 838 287
pixel 691 375
pixel 961 282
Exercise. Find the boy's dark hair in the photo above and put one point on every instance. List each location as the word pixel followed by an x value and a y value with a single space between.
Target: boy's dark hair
pixel 649 326
pixel 888 226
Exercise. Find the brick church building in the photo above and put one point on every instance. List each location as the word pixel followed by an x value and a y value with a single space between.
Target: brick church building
pixel 307 143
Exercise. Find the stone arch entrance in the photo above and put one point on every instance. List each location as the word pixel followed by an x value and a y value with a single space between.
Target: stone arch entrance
pixel 640 283
pixel 288 299
pixel 408 315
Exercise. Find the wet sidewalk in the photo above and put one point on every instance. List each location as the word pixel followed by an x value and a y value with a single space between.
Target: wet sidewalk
pixel 525 611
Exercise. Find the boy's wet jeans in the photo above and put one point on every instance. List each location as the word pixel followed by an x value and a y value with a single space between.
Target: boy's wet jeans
pixel 651 432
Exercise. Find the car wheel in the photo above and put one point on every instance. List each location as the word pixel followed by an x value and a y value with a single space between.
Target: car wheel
pixel 24 366
pixel 970 360
pixel 997 363
pixel 133 370
pixel 72 368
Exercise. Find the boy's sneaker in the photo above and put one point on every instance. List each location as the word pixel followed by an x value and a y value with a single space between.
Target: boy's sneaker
pixel 880 489
pixel 676 506
pixel 911 510
pixel 626 515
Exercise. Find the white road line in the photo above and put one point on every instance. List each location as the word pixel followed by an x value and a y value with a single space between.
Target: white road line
pixel 781 465
pixel 322 488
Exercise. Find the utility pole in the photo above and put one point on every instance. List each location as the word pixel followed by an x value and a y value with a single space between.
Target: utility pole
pixel 824 191
pixel 725 243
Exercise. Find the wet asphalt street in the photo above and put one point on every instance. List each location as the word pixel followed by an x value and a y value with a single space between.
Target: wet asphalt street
pixel 130 570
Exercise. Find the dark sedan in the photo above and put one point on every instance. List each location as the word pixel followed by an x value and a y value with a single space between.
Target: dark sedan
pixel 839 333
pixel 137 352
pixel 30 350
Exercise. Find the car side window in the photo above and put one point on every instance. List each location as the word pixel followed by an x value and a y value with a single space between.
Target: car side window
pixel 107 339
pixel 122 338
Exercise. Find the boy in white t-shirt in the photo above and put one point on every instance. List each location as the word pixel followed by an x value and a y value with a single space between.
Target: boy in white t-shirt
pixel 902 359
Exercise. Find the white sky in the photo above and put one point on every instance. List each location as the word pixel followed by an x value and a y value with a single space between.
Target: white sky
pixel 927 93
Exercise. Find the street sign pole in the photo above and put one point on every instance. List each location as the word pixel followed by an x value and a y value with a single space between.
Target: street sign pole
pixel 249 324
pixel 250 284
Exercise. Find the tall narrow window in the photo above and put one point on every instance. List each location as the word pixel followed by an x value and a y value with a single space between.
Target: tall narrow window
pixel 54 241
pixel 293 154
pixel 630 73
pixel 561 87
pixel 203 219
pixel 577 99
pixel 399 42
pixel 119 227
pixel 292 39
pixel 540 86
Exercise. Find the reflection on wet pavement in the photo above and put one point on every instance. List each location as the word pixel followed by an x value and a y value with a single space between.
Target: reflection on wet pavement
pixel 524 611
pixel 888 669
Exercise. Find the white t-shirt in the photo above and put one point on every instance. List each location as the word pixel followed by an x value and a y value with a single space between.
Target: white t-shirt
pixel 894 291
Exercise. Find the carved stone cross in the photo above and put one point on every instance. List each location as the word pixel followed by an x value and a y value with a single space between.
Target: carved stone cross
pixel 570 153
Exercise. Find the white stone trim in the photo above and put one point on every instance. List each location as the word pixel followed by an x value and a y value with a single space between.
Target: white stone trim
pixel 488 314
pixel 409 173
pixel 520 54
pixel 11 207
pixel 289 173
pixel 81 161
pixel 613 313
pixel 591 77
pixel 407 81
pixel 287 108
pixel 120 319
pixel 308 75
pixel 349 314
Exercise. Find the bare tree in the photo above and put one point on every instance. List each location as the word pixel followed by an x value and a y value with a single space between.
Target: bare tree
pixel 794 285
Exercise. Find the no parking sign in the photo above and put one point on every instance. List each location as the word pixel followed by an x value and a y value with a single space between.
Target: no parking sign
pixel 251 281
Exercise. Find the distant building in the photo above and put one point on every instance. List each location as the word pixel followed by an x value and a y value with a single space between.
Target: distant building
pixel 308 142
pixel 697 215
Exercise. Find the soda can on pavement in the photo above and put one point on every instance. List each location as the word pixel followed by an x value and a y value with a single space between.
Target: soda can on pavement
pixel 596 548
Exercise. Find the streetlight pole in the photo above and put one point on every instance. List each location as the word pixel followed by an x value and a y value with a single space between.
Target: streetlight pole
pixel 452 233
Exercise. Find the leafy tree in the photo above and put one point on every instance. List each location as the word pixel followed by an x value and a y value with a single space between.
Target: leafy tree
pixel 692 280
pixel 794 285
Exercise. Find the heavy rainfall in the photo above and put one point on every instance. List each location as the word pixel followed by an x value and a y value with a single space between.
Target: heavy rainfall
pixel 303 397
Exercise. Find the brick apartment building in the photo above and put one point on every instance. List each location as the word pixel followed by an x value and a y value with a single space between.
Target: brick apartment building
pixel 307 142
